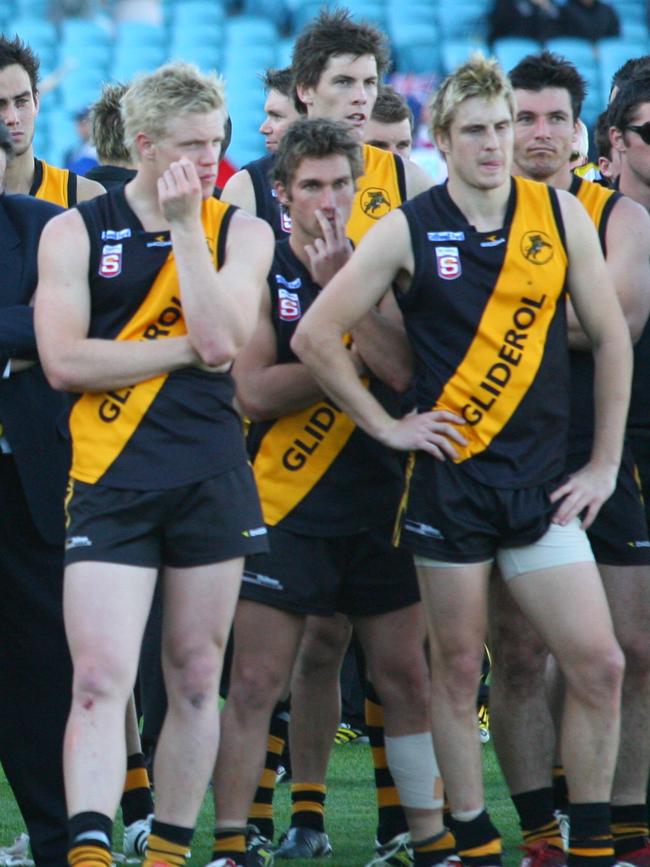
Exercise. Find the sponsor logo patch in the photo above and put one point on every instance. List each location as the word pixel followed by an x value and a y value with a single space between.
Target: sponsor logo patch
pixel 446 236
pixel 77 542
pixel 160 241
pixel 493 241
pixel 110 265
pixel 423 529
pixel 115 234
pixel 262 580
pixel 448 263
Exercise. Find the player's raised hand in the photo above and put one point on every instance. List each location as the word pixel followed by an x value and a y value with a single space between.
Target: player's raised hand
pixel 328 254
pixel 179 192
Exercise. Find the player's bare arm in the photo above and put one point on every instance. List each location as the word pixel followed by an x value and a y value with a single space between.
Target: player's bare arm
pixel 88 189
pixel 383 254
pixel 417 180
pixel 71 360
pixel 265 389
pixel 239 191
pixel 600 316
pixel 220 307
pixel 628 262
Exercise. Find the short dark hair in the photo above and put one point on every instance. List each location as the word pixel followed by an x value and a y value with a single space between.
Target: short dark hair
pixel 391 107
pixel 601 136
pixel 329 35
pixel 315 139
pixel 626 102
pixel 15 51
pixel 630 69
pixel 6 143
pixel 546 69
pixel 280 80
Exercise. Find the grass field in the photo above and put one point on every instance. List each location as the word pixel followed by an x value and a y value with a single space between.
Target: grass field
pixel 350 813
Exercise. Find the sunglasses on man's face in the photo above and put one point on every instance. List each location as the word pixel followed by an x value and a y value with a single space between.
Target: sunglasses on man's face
pixel 643 131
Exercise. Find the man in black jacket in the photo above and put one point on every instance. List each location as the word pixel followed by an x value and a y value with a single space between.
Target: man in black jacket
pixel 35 669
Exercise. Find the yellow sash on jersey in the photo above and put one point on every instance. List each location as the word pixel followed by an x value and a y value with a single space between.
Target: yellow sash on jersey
pixel 296 452
pixel 102 424
pixel 54 185
pixel 503 359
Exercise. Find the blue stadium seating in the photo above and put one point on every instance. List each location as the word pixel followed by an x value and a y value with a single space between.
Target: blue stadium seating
pixel 510 50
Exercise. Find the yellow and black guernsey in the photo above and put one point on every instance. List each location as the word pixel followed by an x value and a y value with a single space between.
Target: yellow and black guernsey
pixel 381 189
pixel 486 317
pixel 171 430
pixel 317 473
pixel 599 202
pixel 54 185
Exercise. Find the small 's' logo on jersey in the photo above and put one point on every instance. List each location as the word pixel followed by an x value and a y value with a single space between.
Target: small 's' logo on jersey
pixel 537 248
pixel 375 202
pixel 448 262
pixel 285 221
pixel 115 234
pixel 288 305
pixel 446 236
pixel 110 265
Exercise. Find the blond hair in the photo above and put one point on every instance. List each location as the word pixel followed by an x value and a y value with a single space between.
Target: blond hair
pixel 172 90
pixel 479 76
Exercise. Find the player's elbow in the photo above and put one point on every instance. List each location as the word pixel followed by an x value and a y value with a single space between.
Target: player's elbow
pixel 302 343
pixel 254 408
pixel 59 374
pixel 399 380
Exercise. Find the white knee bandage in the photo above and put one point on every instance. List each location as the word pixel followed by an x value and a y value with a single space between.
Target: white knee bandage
pixel 412 762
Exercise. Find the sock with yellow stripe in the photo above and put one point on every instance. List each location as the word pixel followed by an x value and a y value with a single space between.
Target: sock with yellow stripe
pixel 137 800
pixel 433 850
pixel 390 815
pixel 536 817
pixel 629 828
pixel 167 845
pixel 560 790
pixel 261 810
pixel 230 843
pixel 590 842
pixel 90 837
pixel 308 805
pixel 478 843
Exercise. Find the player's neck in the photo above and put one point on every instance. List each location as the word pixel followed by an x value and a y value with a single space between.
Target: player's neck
pixel 560 180
pixel 483 209
pixel 630 184
pixel 19 175
pixel 142 195
pixel 297 243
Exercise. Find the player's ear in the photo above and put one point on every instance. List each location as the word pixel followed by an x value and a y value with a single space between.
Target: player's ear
pixel 145 146
pixel 281 193
pixel 305 94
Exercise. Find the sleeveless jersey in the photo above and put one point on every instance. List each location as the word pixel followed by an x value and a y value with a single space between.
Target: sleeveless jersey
pixel 381 188
pixel 486 318
pixel 598 202
pixel 173 429
pixel 317 473
pixel 267 206
pixel 54 185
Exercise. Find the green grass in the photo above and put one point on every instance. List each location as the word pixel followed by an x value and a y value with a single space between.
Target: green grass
pixel 350 812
